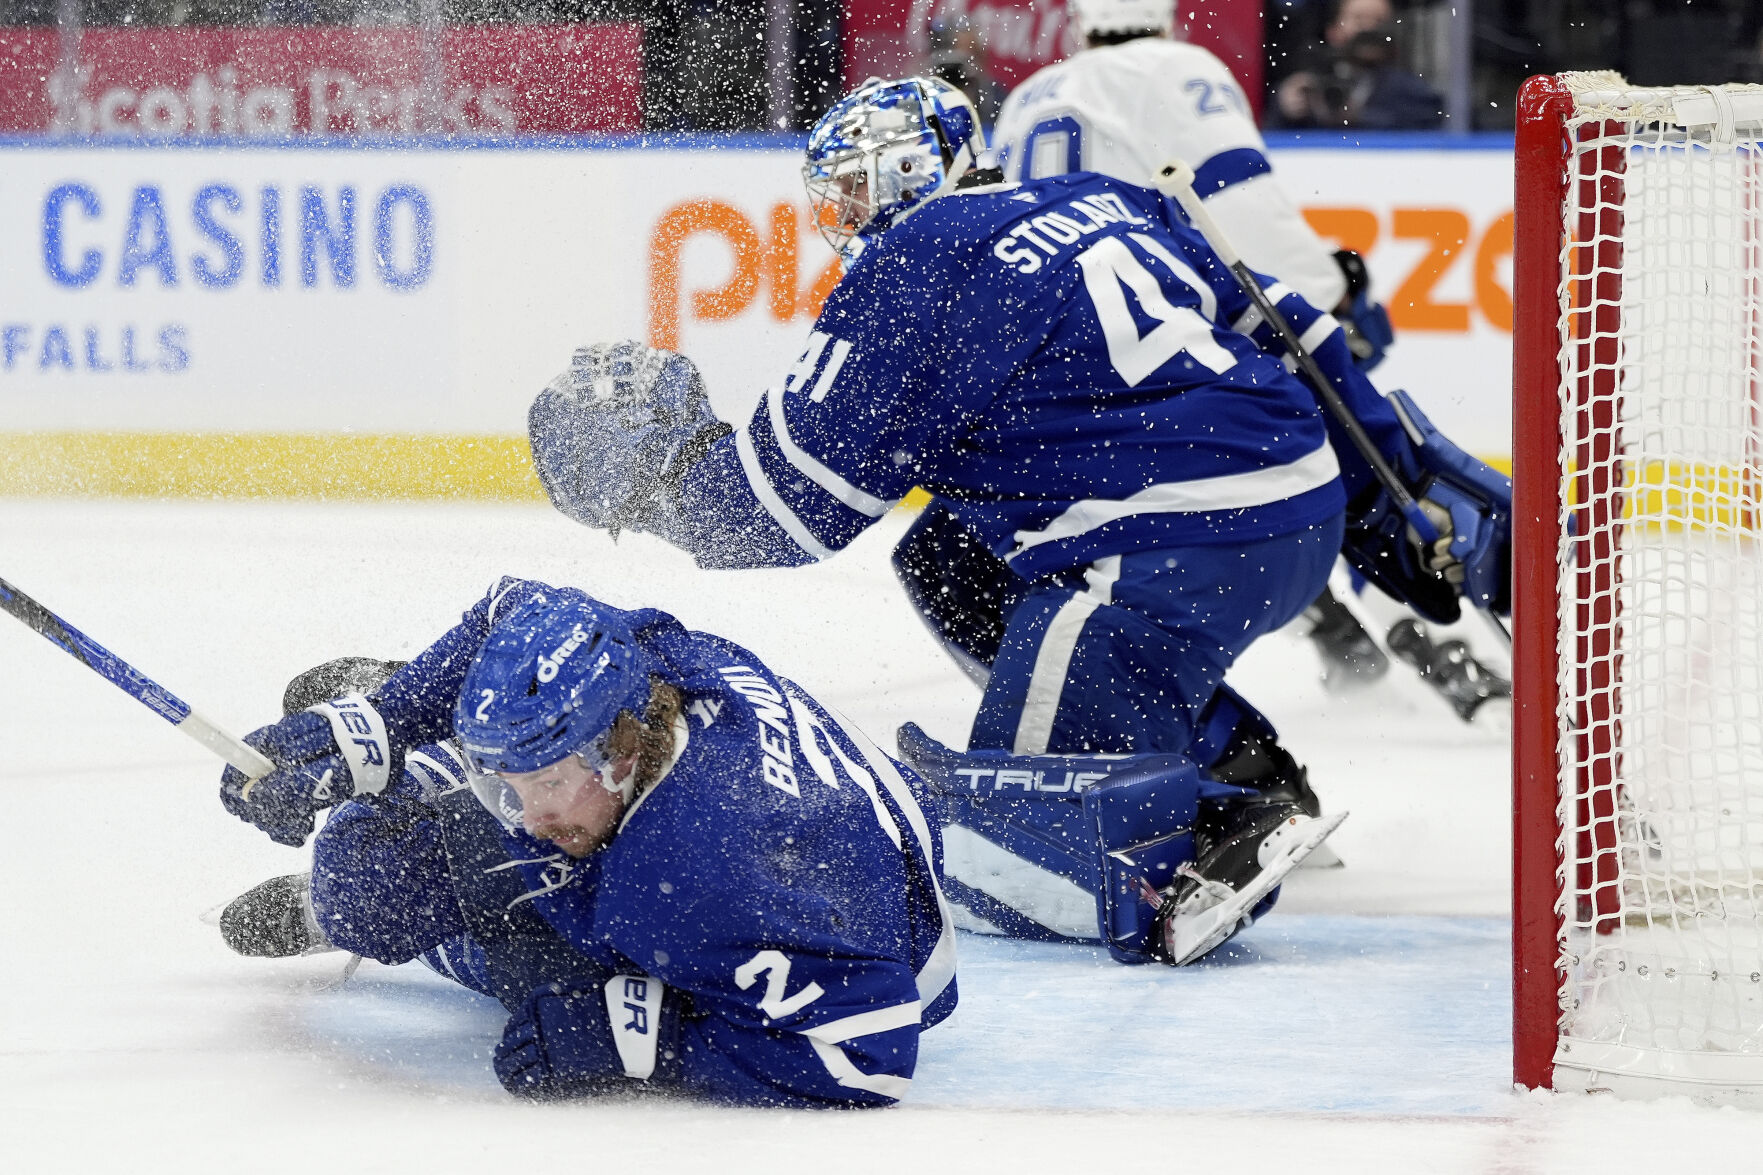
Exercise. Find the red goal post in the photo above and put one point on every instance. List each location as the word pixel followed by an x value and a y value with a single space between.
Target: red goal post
pixel 1638 596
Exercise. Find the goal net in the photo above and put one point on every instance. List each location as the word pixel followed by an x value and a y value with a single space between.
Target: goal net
pixel 1638 739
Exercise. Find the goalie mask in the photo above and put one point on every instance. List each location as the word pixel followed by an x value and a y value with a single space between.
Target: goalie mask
pixel 540 701
pixel 884 150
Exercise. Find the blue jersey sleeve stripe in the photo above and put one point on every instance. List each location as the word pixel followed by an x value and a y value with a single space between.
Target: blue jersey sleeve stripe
pixel 1229 168
pixel 774 504
pixel 814 470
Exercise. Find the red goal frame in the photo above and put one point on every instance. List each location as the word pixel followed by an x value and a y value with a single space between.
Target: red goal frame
pixel 1552 164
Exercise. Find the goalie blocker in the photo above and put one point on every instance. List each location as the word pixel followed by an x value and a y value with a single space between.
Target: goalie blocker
pixel 1472 505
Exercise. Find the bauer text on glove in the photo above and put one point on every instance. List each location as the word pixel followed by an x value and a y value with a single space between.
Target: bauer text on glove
pixel 323 756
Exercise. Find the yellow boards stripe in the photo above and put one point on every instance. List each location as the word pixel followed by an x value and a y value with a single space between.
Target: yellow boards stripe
pixel 280 465
pixel 266 465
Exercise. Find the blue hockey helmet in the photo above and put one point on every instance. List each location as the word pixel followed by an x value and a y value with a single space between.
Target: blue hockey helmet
pixel 885 149
pixel 548 683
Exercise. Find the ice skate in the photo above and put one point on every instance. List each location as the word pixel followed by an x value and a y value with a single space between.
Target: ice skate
pixel 1475 692
pixel 1224 891
pixel 273 920
pixel 1260 763
pixel 1350 658
pixel 344 675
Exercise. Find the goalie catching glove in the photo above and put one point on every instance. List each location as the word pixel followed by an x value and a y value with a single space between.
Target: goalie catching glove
pixel 614 436
pixel 330 753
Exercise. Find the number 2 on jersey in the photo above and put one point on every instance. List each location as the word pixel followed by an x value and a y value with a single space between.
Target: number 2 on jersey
pixel 775 966
pixel 1108 265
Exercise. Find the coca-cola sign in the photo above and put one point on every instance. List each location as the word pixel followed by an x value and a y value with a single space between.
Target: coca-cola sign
pixel 272 82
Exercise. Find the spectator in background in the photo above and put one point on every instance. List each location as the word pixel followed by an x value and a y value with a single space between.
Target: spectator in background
pixel 957 54
pixel 1353 78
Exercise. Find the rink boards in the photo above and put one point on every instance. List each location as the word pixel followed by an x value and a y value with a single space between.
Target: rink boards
pixel 365 319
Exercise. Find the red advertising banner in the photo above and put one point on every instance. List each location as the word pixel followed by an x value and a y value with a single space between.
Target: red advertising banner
pixel 502 79
pixel 887 38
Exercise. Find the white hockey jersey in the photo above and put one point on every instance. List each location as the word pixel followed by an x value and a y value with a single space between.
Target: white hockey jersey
pixel 1126 110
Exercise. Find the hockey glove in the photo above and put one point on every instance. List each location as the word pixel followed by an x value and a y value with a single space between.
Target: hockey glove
pixel 563 1042
pixel 1365 323
pixel 614 436
pixel 323 756
pixel 1469 504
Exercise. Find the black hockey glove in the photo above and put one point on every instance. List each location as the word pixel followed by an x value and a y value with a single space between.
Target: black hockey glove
pixel 1365 323
pixel 323 756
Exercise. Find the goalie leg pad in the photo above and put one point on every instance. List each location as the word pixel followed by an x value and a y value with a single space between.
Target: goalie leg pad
pixel 1064 847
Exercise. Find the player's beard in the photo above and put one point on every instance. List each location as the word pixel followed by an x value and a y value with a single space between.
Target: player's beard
pixel 572 839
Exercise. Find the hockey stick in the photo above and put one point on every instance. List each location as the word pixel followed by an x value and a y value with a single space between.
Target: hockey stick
pixel 130 680
pixel 1176 179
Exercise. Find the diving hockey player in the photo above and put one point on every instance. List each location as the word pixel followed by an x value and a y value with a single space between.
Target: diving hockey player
pixel 1134 98
pixel 735 821
pixel 674 867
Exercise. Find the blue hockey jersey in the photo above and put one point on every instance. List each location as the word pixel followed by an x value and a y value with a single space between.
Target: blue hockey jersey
pixel 1066 362
pixel 769 912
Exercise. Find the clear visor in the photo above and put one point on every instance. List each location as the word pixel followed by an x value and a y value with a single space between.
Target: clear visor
pixel 512 796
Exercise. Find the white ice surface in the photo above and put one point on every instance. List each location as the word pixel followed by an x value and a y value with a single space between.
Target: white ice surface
pixel 1362 1027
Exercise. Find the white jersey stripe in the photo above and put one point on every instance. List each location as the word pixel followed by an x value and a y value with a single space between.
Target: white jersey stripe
pixel 939 969
pixel 865 1023
pixel 1236 491
pixel 813 470
pixel 851 1077
pixel 768 497
pixel 1248 320
pixel 1318 332
pixel 1052 661
pixel 1102 575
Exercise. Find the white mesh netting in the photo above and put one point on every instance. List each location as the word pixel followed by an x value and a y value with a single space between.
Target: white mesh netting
pixel 1661 583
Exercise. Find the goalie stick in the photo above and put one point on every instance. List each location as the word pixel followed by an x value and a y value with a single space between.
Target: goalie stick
pixel 132 681
pixel 1176 179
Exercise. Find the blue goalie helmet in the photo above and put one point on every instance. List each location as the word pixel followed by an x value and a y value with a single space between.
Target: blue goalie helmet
pixel 885 149
pixel 548 683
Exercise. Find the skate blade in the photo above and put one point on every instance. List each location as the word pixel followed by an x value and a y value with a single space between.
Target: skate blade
pixel 211 916
pixel 1191 936
pixel 1323 858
